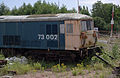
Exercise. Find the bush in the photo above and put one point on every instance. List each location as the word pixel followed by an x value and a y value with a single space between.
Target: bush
pixel 19 68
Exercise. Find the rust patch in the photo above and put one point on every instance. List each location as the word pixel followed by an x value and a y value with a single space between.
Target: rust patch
pixel 83 35
pixel 90 43
pixel 94 34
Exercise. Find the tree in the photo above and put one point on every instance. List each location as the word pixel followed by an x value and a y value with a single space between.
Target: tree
pixel 29 9
pixel 104 11
pixel 54 9
pixel 63 9
pixel 84 10
pixel 37 9
pixel 4 10
pixel 22 10
pixel 99 22
pixel 14 11
pixel 97 9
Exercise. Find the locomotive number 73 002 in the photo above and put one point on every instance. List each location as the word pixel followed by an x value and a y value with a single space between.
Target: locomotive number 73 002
pixel 47 37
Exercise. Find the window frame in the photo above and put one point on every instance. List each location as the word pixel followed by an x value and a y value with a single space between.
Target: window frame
pixel 69 30
pixel 89 25
pixel 52 32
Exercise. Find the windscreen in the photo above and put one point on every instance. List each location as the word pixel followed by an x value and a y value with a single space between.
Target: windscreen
pixel 86 25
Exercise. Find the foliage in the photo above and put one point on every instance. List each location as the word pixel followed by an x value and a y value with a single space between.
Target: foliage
pixel 104 11
pixel 3 71
pixel 98 66
pixel 116 51
pixel 59 68
pixel 75 71
pixel 78 70
pixel 84 10
pixel 18 67
pixel 38 66
pixel 99 22
pixel 2 57
pixel 38 8
pixel 4 10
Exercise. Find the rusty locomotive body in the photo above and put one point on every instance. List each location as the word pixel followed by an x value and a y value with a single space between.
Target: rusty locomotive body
pixel 48 35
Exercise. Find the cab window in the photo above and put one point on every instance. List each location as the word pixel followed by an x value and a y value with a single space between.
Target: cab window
pixel 69 28
pixel 86 25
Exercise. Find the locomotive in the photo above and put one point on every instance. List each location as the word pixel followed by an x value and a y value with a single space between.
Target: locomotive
pixel 60 36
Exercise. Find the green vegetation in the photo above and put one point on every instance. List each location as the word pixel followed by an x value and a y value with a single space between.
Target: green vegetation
pixel 59 68
pixel 2 57
pixel 38 66
pixel 79 70
pixel 102 14
pixel 98 66
pixel 40 7
pixel 19 68
pixel 116 51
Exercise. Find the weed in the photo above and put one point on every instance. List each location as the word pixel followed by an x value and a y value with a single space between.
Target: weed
pixel 38 66
pixel 78 70
pixel 96 73
pixel 59 68
pixel 115 51
pixel 98 66
pixel 102 75
pixel 3 71
pixel 75 71
pixel 2 57
pixel 18 67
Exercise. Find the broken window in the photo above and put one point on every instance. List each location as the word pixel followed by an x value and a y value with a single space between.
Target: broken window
pixel 86 25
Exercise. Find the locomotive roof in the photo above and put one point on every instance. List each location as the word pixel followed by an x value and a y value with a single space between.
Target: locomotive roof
pixel 44 17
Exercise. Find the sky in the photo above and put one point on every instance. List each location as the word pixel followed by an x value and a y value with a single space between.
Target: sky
pixel 68 3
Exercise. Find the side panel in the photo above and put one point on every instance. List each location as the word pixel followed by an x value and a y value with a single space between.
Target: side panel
pixel 34 35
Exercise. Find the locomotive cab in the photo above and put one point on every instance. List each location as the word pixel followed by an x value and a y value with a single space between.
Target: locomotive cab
pixel 80 34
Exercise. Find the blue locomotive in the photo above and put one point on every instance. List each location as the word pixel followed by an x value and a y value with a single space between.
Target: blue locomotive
pixel 69 32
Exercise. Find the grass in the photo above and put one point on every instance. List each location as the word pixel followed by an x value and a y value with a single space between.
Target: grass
pixel 19 68
pixel 98 66
pixel 2 57
pixel 38 66
pixel 78 70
